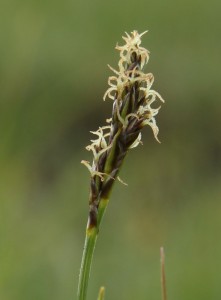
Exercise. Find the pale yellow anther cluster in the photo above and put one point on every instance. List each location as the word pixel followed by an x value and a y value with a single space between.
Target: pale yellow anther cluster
pixel 98 146
pixel 126 78
pixel 132 45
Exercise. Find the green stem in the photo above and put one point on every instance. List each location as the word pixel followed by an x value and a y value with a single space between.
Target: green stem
pixel 89 246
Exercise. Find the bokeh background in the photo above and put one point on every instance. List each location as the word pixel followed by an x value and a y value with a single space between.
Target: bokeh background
pixel 53 74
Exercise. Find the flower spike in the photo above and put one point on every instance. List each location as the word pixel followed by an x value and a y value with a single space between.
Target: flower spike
pixel 130 89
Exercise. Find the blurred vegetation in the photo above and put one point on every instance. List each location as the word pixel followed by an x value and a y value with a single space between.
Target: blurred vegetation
pixel 53 74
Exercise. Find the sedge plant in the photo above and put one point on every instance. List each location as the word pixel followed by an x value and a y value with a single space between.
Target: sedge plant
pixel 131 91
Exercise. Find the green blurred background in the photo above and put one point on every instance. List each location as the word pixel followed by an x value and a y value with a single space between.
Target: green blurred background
pixel 53 74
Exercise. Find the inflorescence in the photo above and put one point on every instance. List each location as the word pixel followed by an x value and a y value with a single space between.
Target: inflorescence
pixel 132 96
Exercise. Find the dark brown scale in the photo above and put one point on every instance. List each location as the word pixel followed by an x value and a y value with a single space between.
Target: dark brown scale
pixel 92 220
pixel 133 57
pixel 93 191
